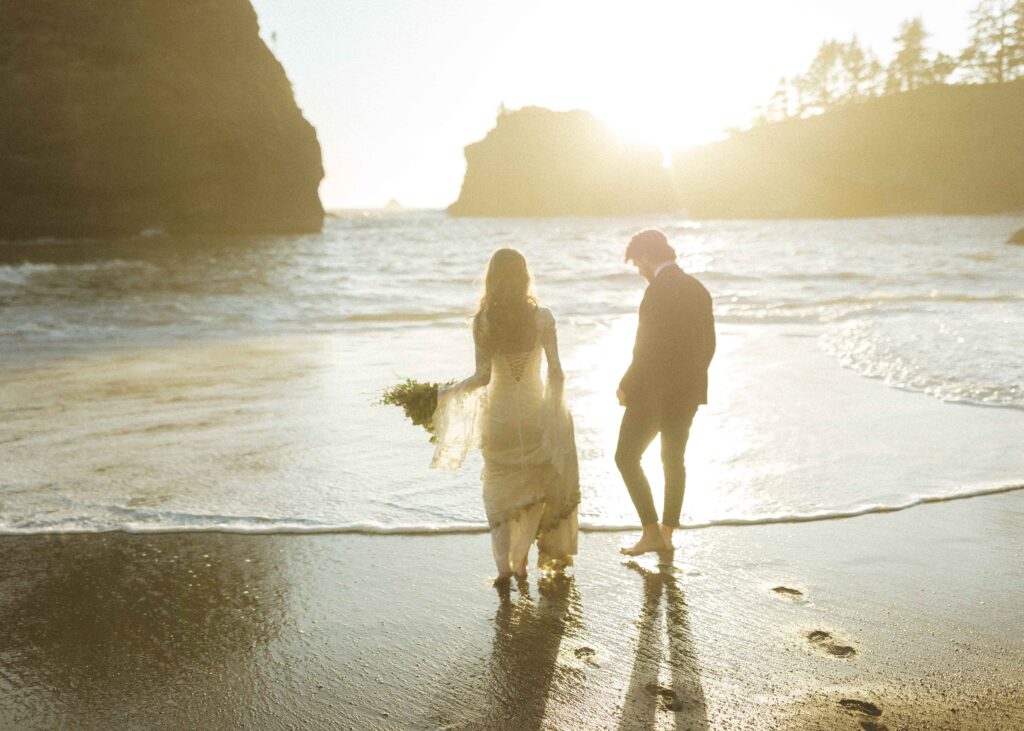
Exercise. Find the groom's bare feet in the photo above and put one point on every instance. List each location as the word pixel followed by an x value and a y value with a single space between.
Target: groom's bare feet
pixel 649 542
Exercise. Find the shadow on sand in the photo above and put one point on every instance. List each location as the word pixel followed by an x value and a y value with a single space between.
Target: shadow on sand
pixel 683 695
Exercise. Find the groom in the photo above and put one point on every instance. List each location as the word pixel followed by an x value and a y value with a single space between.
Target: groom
pixel 665 383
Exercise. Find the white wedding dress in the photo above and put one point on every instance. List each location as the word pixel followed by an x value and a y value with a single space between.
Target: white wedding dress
pixel 525 433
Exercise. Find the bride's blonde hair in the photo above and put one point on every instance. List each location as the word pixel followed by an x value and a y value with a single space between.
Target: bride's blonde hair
pixel 508 305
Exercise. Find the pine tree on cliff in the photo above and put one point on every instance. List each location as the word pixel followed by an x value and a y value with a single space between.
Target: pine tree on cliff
pixel 996 50
pixel 910 68
pixel 840 72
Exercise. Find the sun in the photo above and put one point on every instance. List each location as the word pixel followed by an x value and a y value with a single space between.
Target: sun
pixel 668 129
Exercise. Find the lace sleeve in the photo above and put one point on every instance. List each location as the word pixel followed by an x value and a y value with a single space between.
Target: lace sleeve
pixel 559 436
pixel 549 339
pixel 459 407
pixel 482 375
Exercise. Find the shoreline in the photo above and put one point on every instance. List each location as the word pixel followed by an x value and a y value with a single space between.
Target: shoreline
pixel 367 529
pixel 912 615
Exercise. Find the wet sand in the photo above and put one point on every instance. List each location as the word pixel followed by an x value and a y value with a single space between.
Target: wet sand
pixel 907 620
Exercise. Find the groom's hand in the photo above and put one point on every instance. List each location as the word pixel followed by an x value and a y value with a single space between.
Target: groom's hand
pixel 621 396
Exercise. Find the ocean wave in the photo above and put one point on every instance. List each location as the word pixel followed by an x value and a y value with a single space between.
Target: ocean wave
pixel 825 276
pixel 402 316
pixel 141 520
pixel 19 274
pixel 886 298
pixel 22 274
pixel 755 310
pixel 734 315
pixel 836 306
pixel 631 277
pixel 944 358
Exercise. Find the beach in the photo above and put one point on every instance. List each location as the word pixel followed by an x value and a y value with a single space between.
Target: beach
pixel 207 519
pixel 917 616
pixel 313 316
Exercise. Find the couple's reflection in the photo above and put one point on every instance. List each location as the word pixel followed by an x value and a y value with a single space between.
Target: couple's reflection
pixel 683 694
pixel 528 636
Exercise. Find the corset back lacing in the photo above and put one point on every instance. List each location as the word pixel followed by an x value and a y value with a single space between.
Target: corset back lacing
pixel 517 363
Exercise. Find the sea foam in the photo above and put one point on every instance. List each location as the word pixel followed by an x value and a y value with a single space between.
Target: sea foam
pixel 144 521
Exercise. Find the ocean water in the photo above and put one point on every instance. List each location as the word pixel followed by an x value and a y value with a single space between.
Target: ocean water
pixel 163 383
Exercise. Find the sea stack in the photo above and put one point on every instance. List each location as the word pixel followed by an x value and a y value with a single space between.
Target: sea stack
pixel 537 162
pixel 142 114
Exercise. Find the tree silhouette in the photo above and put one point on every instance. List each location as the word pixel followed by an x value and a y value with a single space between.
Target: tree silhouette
pixel 910 69
pixel 818 87
pixel 996 50
pixel 1015 55
pixel 843 72
pixel 780 106
pixel 863 72
pixel 942 68
pixel 840 72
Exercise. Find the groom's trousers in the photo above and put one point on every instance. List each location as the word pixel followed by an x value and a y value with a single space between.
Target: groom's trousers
pixel 640 424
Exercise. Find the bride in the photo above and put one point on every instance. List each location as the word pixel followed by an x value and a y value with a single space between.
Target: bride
pixel 520 422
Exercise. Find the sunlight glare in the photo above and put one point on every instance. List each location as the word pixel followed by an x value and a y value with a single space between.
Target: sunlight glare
pixel 668 80
pixel 595 368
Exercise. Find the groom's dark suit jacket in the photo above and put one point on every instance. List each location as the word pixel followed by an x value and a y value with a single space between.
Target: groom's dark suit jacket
pixel 675 340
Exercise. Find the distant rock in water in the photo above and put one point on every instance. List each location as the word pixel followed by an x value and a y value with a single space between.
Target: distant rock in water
pixel 128 116
pixel 1017 238
pixel 938 150
pixel 537 162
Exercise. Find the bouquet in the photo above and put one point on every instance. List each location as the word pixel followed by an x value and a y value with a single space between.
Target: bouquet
pixel 418 400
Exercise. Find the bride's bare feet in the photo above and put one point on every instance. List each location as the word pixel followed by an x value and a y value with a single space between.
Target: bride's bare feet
pixel 650 541
pixel 666 537
pixel 503 578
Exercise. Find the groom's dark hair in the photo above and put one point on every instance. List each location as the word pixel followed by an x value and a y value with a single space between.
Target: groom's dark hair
pixel 650 243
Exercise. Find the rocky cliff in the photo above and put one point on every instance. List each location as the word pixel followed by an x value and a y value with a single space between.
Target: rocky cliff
pixel 939 150
pixel 142 114
pixel 536 162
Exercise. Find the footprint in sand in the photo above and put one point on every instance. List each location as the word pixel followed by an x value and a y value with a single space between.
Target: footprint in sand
pixel 669 700
pixel 826 642
pixel 794 595
pixel 587 654
pixel 863 708
pixel 868 709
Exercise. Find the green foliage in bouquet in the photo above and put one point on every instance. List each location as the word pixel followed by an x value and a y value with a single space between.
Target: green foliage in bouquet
pixel 418 400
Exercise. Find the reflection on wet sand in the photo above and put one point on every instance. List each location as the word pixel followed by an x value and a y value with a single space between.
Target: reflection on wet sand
pixel 524 686
pixel 524 657
pixel 646 697
pixel 110 630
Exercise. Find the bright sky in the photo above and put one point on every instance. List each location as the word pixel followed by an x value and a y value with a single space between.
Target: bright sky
pixel 397 88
